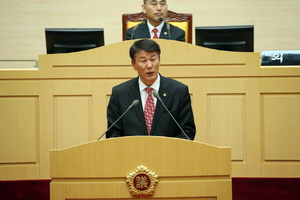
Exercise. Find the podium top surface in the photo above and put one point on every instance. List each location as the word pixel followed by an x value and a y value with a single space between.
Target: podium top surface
pixel 116 157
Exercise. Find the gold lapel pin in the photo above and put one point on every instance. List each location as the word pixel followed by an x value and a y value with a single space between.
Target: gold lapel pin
pixel 164 94
pixel 165 33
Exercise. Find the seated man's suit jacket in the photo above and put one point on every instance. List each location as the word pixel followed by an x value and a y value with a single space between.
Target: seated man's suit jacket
pixel 175 96
pixel 142 31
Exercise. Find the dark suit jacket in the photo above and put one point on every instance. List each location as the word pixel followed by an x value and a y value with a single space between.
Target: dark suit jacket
pixel 175 96
pixel 142 31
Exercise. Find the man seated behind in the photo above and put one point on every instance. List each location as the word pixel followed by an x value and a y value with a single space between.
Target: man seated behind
pixel 155 27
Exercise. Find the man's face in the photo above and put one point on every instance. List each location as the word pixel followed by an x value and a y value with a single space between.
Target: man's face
pixel 155 9
pixel 147 65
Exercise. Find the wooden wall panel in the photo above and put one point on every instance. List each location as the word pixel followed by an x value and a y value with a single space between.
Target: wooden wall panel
pixel 226 122
pixel 19 124
pixel 280 105
pixel 72 116
pixel 19 143
pixel 280 128
pixel 72 120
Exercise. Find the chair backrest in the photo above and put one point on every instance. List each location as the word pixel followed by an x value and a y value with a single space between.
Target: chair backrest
pixel 181 20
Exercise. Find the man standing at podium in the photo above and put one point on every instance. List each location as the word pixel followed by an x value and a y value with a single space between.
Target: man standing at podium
pixel 155 26
pixel 169 114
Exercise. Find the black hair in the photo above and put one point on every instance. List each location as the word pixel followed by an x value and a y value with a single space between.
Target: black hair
pixel 144 45
pixel 145 1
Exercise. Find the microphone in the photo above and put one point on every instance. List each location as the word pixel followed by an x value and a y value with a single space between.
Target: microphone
pixel 168 26
pixel 156 95
pixel 134 103
pixel 134 28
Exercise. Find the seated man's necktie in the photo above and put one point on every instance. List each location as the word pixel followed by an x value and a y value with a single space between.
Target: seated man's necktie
pixel 155 33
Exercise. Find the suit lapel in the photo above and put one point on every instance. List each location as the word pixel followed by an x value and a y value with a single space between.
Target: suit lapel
pixel 164 32
pixel 143 31
pixel 134 94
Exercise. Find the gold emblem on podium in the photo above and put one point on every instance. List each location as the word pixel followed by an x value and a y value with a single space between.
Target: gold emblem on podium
pixel 142 182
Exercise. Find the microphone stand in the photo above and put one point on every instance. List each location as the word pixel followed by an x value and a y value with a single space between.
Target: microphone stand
pixel 155 94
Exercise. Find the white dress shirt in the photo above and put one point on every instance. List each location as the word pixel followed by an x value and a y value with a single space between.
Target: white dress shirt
pixel 152 27
pixel 144 94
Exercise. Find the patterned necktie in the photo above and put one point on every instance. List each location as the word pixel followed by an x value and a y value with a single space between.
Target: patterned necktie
pixel 155 32
pixel 149 109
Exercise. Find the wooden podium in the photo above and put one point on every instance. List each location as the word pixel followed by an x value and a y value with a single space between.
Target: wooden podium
pixel 100 169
